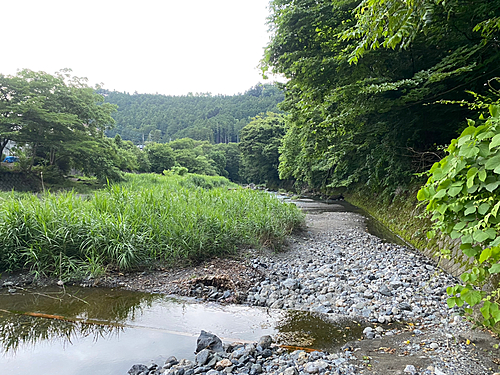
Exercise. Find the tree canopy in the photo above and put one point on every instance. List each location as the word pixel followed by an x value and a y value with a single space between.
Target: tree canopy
pixel 58 119
pixel 380 120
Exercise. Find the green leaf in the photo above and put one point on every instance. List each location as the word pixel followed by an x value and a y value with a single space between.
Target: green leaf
pixel 494 110
pixel 492 186
pixel 494 268
pixel 480 236
pixel 469 130
pixel 470 210
pixel 440 194
pixel 467 239
pixel 483 208
pixel 460 225
pixel 485 254
pixel 495 209
pixel 497 170
pixel 482 175
pixel 454 191
pixel 491 232
pixel 485 310
pixel 472 297
pixel 493 162
pixel 470 182
pixel 495 141
pixel 471 252
pixel 472 172
pixel 423 194
pixel 451 302
pixel 454 235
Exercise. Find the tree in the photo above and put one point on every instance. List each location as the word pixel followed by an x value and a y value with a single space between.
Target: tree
pixel 370 122
pixel 260 142
pixel 52 114
pixel 397 23
pixel 161 157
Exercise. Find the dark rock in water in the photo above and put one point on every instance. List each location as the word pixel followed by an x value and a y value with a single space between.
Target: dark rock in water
pixel 138 370
pixel 203 357
pixel 265 342
pixel 208 340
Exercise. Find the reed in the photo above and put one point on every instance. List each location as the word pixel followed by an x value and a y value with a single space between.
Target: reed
pixel 148 219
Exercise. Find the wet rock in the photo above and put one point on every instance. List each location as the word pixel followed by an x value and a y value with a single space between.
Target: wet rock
pixel 210 341
pixel 138 370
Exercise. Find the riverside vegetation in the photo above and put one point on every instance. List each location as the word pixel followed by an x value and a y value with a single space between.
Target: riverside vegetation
pixel 145 220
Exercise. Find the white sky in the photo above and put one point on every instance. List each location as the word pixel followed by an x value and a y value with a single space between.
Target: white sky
pixel 167 46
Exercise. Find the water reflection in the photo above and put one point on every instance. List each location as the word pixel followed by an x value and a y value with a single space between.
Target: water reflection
pixel 311 330
pixel 28 316
pixel 102 331
pixel 16 330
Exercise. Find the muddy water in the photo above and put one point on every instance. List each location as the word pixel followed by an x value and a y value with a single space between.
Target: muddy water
pixel 104 331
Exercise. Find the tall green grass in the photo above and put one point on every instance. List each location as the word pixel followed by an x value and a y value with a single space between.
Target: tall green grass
pixel 147 219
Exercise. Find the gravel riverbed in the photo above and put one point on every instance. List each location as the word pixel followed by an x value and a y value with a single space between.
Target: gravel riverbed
pixel 338 270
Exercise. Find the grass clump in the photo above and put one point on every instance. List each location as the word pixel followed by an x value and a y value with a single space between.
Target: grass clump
pixel 147 219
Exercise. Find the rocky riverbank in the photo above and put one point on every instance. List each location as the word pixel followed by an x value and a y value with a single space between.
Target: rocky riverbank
pixel 337 270
pixel 334 269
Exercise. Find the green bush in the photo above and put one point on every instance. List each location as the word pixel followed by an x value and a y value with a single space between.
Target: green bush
pixel 463 197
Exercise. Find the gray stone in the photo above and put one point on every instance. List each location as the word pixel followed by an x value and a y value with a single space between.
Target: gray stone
pixel 404 306
pixel 203 357
pixel 311 368
pixel 291 371
pixel 410 369
pixel 210 341
pixel 384 290
pixel 138 369
pixel 255 369
pixel 265 342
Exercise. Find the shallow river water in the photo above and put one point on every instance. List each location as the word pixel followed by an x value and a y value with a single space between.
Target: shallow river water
pixel 106 331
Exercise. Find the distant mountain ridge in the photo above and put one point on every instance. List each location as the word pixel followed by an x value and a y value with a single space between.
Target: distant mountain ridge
pixel 217 119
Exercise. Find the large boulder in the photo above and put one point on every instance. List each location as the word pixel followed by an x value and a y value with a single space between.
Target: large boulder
pixel 210 341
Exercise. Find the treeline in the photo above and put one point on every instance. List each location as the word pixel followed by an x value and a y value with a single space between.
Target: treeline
pixel 203 117
pixel 59 124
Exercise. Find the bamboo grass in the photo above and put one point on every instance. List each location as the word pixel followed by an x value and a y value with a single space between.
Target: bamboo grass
pixel 147 219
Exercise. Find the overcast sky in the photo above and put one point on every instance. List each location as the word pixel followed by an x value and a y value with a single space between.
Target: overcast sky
pixel 150 46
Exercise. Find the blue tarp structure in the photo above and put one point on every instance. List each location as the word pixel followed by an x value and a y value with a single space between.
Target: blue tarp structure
pixel 10 159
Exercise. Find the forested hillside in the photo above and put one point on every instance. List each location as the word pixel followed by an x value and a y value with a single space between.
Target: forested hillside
pixel 217 119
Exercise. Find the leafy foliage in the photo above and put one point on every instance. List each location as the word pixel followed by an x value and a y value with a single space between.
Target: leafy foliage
pixel 378 121
pixel 260 143
pixel 59 121
pixel 463 196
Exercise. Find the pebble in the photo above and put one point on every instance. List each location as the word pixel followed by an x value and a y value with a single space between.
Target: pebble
pixel 354 274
